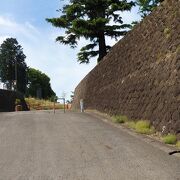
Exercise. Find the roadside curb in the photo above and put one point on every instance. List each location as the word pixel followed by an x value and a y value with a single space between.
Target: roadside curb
pixel 146 138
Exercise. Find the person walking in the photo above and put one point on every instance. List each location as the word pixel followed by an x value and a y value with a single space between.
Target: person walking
pixel 81 105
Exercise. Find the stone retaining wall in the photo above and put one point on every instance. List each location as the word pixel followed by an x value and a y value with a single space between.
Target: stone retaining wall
pixel 140 76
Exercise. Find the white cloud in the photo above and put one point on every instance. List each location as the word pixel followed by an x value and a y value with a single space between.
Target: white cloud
pixel 9 27
pixel 130 16
pixel 57 61
pixel 43 53
pixel 5 22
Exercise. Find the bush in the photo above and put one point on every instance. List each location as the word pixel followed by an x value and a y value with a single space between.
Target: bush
pixel 144 127
pixel 178 144
pixel 119 119
pixel 131 124
pixel 169 139
pixel 17 101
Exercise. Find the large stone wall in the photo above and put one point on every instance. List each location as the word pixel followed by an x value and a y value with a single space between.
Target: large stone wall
pixel 8 99
pixel 140 76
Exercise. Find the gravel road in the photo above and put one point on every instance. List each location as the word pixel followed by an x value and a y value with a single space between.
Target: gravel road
pixel 77 146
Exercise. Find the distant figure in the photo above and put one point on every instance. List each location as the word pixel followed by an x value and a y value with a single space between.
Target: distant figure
pixel 81 105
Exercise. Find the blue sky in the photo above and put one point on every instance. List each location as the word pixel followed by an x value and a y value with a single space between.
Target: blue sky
pixel 25 21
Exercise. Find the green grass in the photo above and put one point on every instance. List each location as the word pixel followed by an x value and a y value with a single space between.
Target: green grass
pixel 141 126
pixel 18 101
pixel 178 144
pixel 119 119
pixel 144 127
pixel 131 124
pixel 169 139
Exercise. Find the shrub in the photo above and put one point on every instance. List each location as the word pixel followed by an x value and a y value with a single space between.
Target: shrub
pixel 178 144
pixel 131 124
pixel 144 127
pixel 169 139
pixel 17 101
pixel 119 119
pixel 141 126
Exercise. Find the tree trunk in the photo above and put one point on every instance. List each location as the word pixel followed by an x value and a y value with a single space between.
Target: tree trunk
pixel 10 71
pixel 102 47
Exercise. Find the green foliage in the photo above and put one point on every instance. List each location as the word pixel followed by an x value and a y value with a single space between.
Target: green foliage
pixel 18 101
pixel 12 58
pixel 143 127
pixel 131 124
pixel 141 124
pixel 147 6
pixel 169 139
pixel 119 119
pixel 178 144
pixel 38 81
pixel 92 20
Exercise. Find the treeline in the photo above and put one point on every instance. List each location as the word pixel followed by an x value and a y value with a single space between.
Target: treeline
pixel 16 75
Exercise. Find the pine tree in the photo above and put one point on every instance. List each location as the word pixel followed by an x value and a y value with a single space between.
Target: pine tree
pixel 92 20
pixel 12 65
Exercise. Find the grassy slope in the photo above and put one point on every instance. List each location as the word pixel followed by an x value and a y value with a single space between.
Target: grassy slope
pixel 39 104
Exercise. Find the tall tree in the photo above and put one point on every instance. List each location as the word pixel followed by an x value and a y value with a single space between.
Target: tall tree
pixel 147 6
pixel 39 83
pixel 92 20
pixel 12 65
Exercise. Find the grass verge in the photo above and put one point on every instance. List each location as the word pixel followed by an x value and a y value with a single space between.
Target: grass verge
pixel 141 126
pixel 119 119
pixel 131 124
pixel 144 127
pixel 169 139
pixel 178 144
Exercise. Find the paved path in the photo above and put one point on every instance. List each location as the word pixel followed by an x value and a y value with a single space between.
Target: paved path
pixel 74 146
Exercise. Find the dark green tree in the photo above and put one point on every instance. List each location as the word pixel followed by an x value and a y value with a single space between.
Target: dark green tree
pixel 39 82
pixel 147 6
pixel 12 65
pixel 92 20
